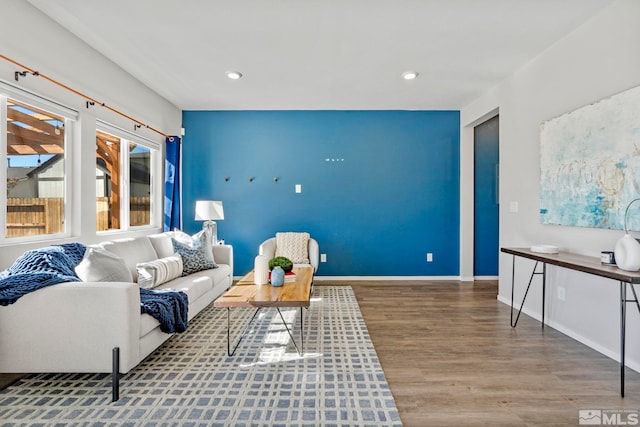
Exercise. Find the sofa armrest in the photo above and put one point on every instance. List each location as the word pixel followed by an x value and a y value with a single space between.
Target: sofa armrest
pixel 223 254
pixel 71 327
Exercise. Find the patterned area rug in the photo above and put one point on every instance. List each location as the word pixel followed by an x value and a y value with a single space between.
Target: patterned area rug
pixel 190 380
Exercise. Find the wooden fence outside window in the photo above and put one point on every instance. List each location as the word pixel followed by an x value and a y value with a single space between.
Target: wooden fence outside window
pixel 35 216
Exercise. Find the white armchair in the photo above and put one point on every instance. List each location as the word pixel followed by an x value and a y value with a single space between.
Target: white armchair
pixel 269 248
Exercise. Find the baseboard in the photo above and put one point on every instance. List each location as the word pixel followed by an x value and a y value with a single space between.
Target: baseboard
pixel 485 278
pixel 387 278
pixel 572 334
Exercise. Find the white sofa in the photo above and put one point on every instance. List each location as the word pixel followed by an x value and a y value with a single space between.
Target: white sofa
pixel 75 326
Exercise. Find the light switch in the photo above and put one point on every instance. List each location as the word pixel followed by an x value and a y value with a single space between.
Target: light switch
pixel 298 188
pixel 513 207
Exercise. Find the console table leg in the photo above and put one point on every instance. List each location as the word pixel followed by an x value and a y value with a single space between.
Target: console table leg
pixel 623 316
pixel 544 289
pixel 513 278
pixel 533 273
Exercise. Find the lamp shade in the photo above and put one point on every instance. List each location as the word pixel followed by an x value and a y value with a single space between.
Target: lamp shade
pixel 207 210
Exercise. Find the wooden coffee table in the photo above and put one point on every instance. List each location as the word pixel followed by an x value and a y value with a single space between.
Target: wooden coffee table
pixel 246 294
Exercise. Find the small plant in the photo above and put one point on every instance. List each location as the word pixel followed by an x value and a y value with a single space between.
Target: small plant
pixel 281 261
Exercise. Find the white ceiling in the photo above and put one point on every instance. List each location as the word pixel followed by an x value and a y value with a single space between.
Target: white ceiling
pixel 320 54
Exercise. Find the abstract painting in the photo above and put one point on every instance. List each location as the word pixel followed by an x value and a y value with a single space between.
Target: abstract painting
pixel 590 164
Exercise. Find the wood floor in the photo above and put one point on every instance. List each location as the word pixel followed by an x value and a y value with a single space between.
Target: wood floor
pixel 451 359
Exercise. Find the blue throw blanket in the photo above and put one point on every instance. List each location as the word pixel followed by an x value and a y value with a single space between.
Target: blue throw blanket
pixel 39 268
pixel 55 264
pixel 170 308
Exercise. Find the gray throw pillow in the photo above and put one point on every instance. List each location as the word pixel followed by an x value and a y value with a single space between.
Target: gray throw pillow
pixel 200 239
pixel 193 259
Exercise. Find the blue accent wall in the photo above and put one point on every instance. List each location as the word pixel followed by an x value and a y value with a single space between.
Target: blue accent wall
pixel 380 189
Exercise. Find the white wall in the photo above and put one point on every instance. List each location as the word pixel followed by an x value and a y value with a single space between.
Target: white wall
pixel 32 39
pixel 599 59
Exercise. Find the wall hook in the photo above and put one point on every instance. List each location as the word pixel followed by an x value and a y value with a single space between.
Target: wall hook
pixel 250 179
pixel 275 179
pixel 226 179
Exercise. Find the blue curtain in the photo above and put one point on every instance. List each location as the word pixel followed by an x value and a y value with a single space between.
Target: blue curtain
pixel 172 184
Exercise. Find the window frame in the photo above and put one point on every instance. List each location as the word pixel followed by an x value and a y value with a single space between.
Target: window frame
pixel 70 117
pixel 127 137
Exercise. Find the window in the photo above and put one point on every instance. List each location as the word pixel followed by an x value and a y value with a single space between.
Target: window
pixel 35 144
pixel 123 179
pixel 139 185
pixel 43 198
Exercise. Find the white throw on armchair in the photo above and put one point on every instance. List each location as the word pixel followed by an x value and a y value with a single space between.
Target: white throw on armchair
pixel 298 247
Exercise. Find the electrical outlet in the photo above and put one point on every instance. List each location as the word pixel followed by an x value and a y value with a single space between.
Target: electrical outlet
pixel 323 257
pixel 429 257
pixel 562 293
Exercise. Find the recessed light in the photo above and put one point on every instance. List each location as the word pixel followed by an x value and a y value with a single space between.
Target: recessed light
pixel 409 75
pixel 234 75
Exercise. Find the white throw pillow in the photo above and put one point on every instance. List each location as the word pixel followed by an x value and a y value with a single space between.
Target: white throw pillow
pixel 100 265
pixel 294 246
pixel 154 273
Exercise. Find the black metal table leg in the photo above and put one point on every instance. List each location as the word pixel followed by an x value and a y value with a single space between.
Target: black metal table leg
pixel 623 315
pixel 533 273
pixel 115 374
pixel 544 289
pixel 289 331
pixel 513 278
pixel 242 335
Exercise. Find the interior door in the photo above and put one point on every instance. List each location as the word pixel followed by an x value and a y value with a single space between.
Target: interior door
pixel 486 181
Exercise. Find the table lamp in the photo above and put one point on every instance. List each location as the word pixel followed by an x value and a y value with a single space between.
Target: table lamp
pixel 208 211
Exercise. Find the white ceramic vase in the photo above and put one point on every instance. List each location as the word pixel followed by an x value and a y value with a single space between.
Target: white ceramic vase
pixel 261 270
pixel 627 253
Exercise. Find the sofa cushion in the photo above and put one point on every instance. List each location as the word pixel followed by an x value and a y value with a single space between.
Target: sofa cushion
pixel 222 274
pixel 294 246
pixel 154 273
pixel 99 265
pixel 132 251
pixel 194 286
pixel 193 259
